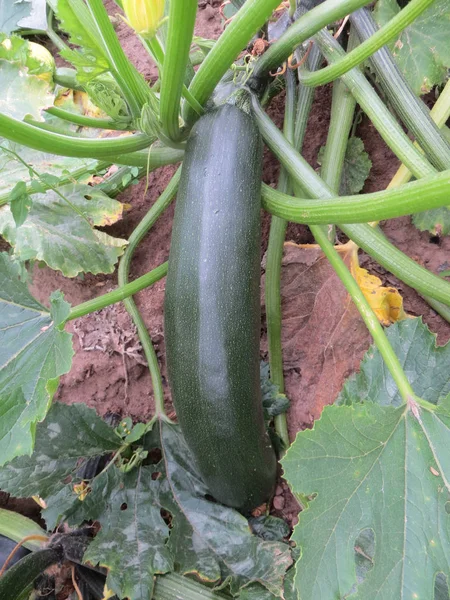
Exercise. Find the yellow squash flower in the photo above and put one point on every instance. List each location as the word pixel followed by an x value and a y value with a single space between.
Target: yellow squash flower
pixel 144 16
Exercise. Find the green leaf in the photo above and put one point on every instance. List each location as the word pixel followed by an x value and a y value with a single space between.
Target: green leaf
pixel 66 240
pixel 421 51
pixel 426 365
pixel 436 221
pixel 357 165
pixel 68 436
pixel 106 94
pixel 34 353
pixel 20 203
pixel 269 528
pixel 75 19
pixel 22 94
pixel 273 402
pixel 23 13
pixel 370 465
pixel 134 508
pixel 12 171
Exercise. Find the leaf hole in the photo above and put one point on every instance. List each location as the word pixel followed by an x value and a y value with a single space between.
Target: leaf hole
pixel 441 589
pixel 88 197
pixel 364 552
pixel 156 475
pixel 124 506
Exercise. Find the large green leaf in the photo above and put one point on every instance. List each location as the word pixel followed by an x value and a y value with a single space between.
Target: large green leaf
pixel 12 171
pixel 427 367
pixel 25 13
pixel 135 507
pixel 421 50
pixel 33 354
pixel 22 94
pixel 373 466
pixel 63 238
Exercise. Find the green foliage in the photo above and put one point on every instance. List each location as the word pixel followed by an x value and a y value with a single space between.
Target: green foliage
pixel 436 221
pixel 274 403
pixel 22 94
pixel 135 507
pixel 374 464
pixel 89 57
pixel 357 165
pixel 33 355
pixel 27 14
pixel 60 230
pixel 421 50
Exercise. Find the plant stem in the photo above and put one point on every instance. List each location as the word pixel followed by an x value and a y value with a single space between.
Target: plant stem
pixel 389 129
pixel 305 100
pixel 87 121
pixel 52 34
pixel 80 310
pixel 124 267
pixel 182 15
pixel 66 145
pixel 368 238
pixel 305 27
pixel 374 242
pixel 411 109
pixel 442 309
pixel 415 197
pixel 273 269
pixel 131 82
pixel 401 20
pixel 366 312
pixel 440 113
pixel 151 159
pixel 249 19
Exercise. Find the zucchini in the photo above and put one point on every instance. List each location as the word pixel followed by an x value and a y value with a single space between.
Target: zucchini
pixel 212 309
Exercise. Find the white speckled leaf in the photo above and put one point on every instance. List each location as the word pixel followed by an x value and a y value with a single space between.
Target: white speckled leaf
pixel 33 355
pixel 61 237
pixel 22 94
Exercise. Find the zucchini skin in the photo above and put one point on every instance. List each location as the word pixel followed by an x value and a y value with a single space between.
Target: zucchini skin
pixel 212 309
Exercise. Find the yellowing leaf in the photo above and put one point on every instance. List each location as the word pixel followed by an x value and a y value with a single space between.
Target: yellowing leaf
pixel 386 302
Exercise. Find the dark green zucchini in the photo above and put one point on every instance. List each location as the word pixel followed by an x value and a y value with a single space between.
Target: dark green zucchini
pixel 212 309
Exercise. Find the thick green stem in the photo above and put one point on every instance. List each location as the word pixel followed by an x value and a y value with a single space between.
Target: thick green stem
pixel 66 145
pixel 124 267
pixel 305 27
pixel 439 307
pixel 87 121
pixel 411 109
pixel 305 100
pixel 179 38
pixel 132 84
pixel 273 269
pixel 389 129
pixel 415 197
pixel 366 312
pixel 118 295
pixel 401 20
pixel 153 158
pixel 368 238
pixel 249 19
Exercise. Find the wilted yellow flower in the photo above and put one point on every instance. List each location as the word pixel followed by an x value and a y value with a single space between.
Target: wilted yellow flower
pixel 144 16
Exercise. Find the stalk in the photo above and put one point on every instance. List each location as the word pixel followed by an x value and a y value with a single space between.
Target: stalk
pixel 305 100
pixel 87 121
pixel 124 267
pixel 182 15
pixel 273 269
pixel 415 197
pixel 354 58
pixel 412 111
pixel 80 310
pixel 172 586
pixel 249 19
pixel 385 123
pixel 131 82
pixel 368 238
pixel 370 319
pixel 151 159
pixel 66 145
pixel 306 26
pixel 16 527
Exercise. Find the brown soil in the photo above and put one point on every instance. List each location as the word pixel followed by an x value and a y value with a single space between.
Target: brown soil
pixel 108 371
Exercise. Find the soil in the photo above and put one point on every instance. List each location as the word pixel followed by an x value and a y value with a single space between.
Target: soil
pixel 109 373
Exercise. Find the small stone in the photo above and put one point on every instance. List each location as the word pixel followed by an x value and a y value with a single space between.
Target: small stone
pixel 279 491
pixel 294 521
pixel 278 502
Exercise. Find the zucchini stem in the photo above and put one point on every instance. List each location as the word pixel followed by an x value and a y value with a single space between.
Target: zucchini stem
pixel 124 267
